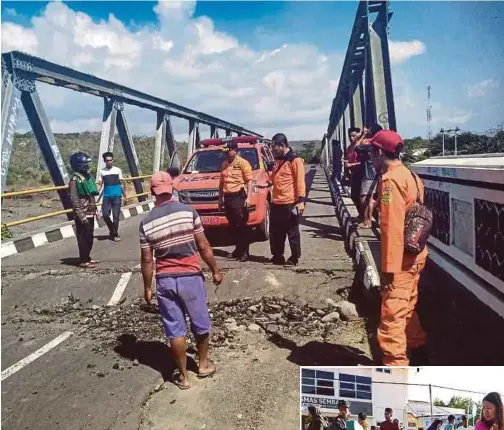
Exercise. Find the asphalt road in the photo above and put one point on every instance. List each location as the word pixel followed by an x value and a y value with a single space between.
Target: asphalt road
pixel 86 381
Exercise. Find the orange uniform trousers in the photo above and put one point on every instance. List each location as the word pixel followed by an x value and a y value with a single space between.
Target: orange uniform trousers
pixel 400 327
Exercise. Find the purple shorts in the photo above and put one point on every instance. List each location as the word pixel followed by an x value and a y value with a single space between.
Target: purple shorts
pixel 181 295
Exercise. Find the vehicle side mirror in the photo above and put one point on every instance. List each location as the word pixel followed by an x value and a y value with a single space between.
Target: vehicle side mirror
pixel 270 165
pixel 173 171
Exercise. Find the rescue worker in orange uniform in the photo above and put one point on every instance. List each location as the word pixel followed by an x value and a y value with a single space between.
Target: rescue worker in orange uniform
pixel 289 192
pixel 236 176
pixel 399 330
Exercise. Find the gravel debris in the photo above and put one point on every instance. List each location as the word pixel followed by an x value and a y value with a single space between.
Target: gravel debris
pixel 230 319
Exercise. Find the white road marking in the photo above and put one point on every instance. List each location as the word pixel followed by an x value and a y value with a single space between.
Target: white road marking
pixel 119 290
pixel 32 357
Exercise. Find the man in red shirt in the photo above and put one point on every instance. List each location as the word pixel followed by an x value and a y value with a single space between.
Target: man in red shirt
pixel 388 424
pixel 352 163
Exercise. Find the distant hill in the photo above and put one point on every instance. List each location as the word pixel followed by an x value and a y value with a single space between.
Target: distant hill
pixel 28 169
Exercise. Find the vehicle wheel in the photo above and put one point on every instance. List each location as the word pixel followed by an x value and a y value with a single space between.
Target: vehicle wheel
pixel 263 228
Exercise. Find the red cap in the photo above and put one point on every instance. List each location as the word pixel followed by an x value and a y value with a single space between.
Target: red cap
pixel 386 140
pixel 161 183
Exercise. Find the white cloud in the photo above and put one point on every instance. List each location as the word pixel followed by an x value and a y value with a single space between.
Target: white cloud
pixel 481 88
pixel 188 61
pixel 15 37
pixel 402 51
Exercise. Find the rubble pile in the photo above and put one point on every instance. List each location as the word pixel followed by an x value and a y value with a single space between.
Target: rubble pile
pixel 229 319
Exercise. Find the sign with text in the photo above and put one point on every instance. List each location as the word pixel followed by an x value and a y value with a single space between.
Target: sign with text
pixel 326 402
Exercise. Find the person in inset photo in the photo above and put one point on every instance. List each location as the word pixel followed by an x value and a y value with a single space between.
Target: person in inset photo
pixel 318 422
pixel 492 413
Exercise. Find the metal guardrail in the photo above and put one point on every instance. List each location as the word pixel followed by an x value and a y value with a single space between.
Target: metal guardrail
pixel 61 187
pixel 60 212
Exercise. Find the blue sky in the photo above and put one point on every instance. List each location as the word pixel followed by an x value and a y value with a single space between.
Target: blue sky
pixel 463 58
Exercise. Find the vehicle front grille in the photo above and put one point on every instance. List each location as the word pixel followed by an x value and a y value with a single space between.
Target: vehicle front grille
pixel 207 196
pixel 211 212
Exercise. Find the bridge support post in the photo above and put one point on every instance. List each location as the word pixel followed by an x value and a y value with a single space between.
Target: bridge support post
pixel 381 76
pixel 48 146
pixel 213 132
pixel 170 139
pixel 197 139
pixel 160 141
pixel 193 131
pixel 129 150
pixel 347 126
pixel 356 100
pixel 11 103
pixel 108 132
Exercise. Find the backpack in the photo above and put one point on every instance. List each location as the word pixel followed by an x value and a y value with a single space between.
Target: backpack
pixel 417 225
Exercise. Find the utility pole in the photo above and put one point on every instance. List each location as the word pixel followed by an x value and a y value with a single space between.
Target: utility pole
pixel 456 129
pixel 443 132
pixel 430 401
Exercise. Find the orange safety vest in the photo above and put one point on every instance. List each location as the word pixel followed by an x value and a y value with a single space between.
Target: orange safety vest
pixel 288 180
pixel 397 191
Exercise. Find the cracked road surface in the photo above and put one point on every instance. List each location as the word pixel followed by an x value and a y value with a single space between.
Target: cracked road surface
pixel 109 373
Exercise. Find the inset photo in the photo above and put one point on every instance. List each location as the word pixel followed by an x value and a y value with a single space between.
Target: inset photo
pixel 409 398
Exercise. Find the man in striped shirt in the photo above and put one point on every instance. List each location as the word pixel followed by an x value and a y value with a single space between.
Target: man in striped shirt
pixel 175 233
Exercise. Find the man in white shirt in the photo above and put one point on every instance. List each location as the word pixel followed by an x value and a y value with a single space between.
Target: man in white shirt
pixel 113 189
pixel 465 424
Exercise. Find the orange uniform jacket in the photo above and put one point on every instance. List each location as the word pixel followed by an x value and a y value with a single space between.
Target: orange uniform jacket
pixel 397 192
pixel 234 176
pixel 288 179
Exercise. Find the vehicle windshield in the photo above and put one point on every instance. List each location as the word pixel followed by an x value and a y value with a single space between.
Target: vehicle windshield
pixel 211 161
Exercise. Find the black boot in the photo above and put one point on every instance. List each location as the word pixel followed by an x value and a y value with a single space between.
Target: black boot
pixel 278 260
pixel 245 257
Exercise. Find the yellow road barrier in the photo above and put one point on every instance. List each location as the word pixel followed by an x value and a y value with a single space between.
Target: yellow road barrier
pixel 59 187
pixel 39 217
pixel 60 212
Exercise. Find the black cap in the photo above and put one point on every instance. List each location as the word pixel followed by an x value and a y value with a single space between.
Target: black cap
pixel 343 403
pixel 229 146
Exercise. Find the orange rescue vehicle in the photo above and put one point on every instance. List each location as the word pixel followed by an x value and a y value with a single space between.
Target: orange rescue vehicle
pixel 198 182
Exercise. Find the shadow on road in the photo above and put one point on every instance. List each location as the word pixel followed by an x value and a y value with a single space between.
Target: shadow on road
pixel 319 202
pixel 321 230
pixel 70 261
pixel 156 355
pixel 317 353
pixel 252 258
pixel 102 237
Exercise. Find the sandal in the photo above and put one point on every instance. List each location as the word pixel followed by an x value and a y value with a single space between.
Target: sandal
pixel 93 261
pixel 176 380
pixel 207 374
pixel 87 265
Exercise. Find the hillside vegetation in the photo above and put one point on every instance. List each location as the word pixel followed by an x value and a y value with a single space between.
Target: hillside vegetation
pixel 28 169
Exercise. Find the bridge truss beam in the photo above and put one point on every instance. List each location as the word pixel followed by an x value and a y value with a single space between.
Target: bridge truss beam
pixel 364 95
pixel 21 71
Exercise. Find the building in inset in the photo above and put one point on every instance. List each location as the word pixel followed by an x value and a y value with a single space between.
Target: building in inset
pixel 368 390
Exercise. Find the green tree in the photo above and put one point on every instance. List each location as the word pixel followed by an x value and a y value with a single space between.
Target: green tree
pixel 439 402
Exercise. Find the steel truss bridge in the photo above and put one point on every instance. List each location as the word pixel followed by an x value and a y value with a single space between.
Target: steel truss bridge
pixel 21 72
pixel 364 95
